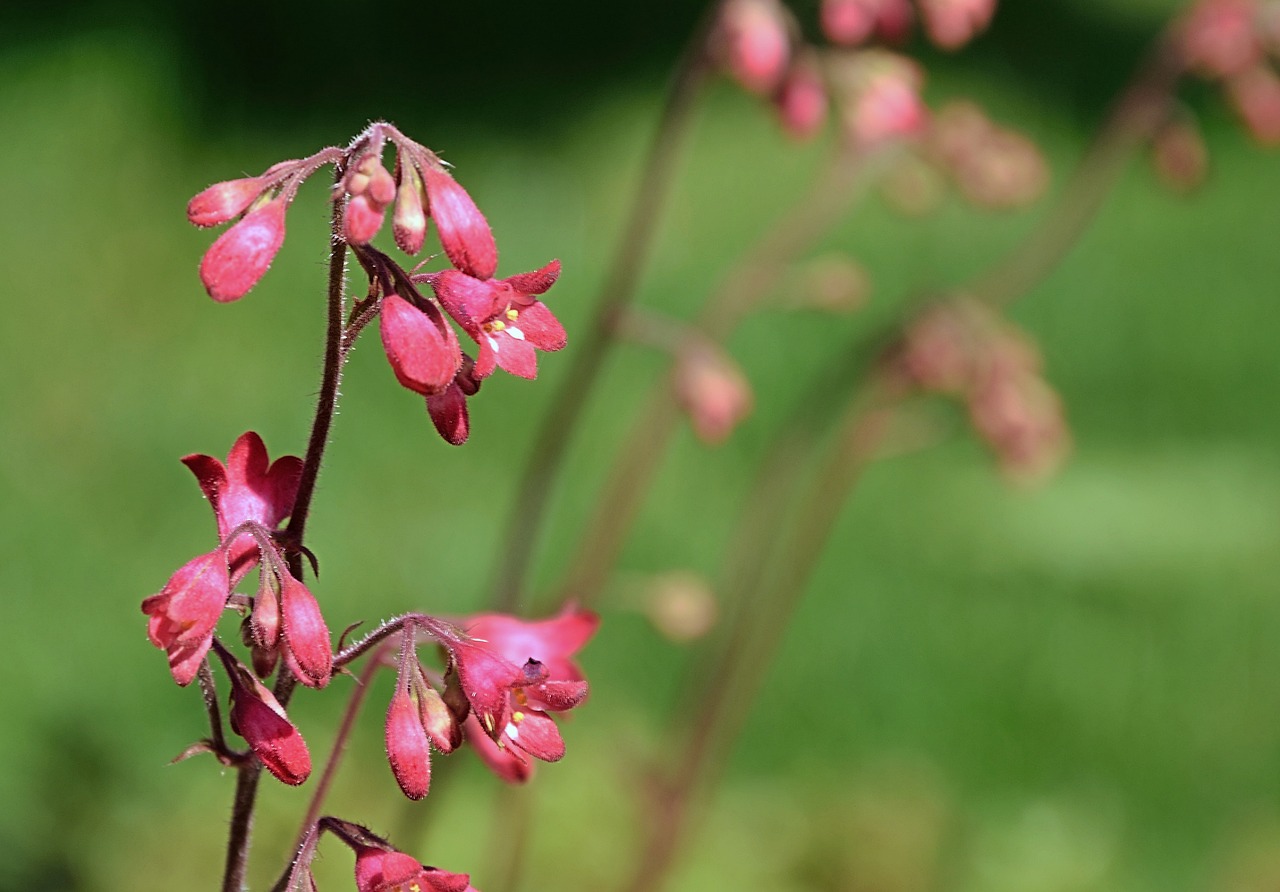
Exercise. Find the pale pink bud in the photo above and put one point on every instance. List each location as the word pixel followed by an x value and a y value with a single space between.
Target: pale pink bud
pixel 848 22
pixel 409 224
pixel 1219 37
pixel 408 749
pixel 306 636
pixel 423 352
pixel 712 390
pixel 362 219
pixel 1256 96
pixel 223 201
pixel 802 99
pixel 753 44
pixel 438 720
pixel 241 255
pixel 953 23
pixel 382 187
pixel 1008 171
pixel 888 106
pixel 681 605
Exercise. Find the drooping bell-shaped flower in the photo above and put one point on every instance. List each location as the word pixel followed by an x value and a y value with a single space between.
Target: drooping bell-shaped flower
pixel 464 233
pixel 387 870
pixel 421 347
pixel 258 717
pixel 308 651
pixel 225 201
pixel 183 615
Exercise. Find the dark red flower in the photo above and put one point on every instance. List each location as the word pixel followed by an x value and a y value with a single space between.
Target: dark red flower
pixel 503 317
pixel 247 488
pixel 383 870
pixel 185 612
pixel 448 408
pixel 307 648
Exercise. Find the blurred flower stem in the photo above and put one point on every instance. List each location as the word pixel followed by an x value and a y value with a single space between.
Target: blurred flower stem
pixel 532 501
pixel 250 772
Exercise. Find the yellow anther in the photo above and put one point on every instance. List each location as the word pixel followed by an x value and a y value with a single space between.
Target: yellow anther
pixel 517 717
pixel 497 325
pixel 513 314
pixel 488 723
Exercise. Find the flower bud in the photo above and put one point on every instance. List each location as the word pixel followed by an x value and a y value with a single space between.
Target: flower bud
pixel 438 720
pixel 408 748
pixel 1256 96
pixel 241 255
pixel 848 22
pixel 953 23
pixel 259 718
pixel 409 224
pixel 1179 155
pixel 464 232
pixel 183 615
pixel 802 99
pixel 306 636
pixel 423 352
pixel 712 390
pixel 223 201
pixel 361 219
pixel 881 98
pixel 752 43
pixel 1219 37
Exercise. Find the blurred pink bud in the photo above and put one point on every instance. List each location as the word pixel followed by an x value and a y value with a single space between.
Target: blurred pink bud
pixel 1179 155
pixel 382 186
pixel 423 351
pixel 1021 419
pixel 753 44
pixel 848 22
pixel 306 636
pixel 259 718
pixel 993 167
pixel 894 19
pixel 361 219
pixel 1219 37
pixel 912 186
pixel 409 224
pixel 223 201
pixel 681 605
pixel 464 232
pixel 183 615
pixel 1256 96
pixel 241 255
pixel 833 283
pixel 712 390
pixel 802 99
pixel 939 347
pixel 408 748
pixel 953 23
pixel 881 98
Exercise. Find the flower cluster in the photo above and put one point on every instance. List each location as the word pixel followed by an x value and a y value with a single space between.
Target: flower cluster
pixel 504 317
pixel 1236 43
pixel 962 349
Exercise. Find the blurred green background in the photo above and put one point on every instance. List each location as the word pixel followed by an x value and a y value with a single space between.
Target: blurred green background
pixel 1071 688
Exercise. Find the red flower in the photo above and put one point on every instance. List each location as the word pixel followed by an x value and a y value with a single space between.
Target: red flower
pixel 464 232
pixel 513 672
pixel 247 489
pixel 420 345
pixel 258 717
pixel 408 747
pixel 306 637
pixel 241 255
pixel 503 316
pixel 185 612
pixel 448 408
pixel 382 870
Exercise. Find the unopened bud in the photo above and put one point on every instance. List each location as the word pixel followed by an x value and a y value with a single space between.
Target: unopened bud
pixel 802 99
pixel 464 232
pixel 881 98
pixel 1219 37
pixel 752 43
pixel 833 283
pixel 848 22
pixel 1256 96
pixel 309 652
pixel 681 605
pixel 953 23
pixel 408 749
pixel 423 352
pixel 409 224
pixel 223 201
pixel 241 255
pixel 1179 155
pixel 712 390
pixel 361 219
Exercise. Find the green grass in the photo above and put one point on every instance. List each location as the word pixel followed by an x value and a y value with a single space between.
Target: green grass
pixel 1071 688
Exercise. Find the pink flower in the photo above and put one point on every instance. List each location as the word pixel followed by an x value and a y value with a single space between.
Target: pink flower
pixel 712 390
pixel 241 255
pixel 223 201
pixel 802 99
pixel 953 23
pixel 408 747
pixel 753 43
pixel 448 408
pixel 258 717
pixel 384 870
pixel 307 649
pixel 247 488
pixel 185 612
pixel 503 317
pixel 420 345
pixel 513 672
pixel 371 189
pixel 464 232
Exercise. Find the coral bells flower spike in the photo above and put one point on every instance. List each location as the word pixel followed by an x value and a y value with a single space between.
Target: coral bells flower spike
pixel 223 201
pixel 247 488
pixel 421 347
pixel 380 870
pixel 185 612
pixel 259 718
pixel 408 747
pixel 305 634
pixel 503 317
pixel 464 232
pixel 241 255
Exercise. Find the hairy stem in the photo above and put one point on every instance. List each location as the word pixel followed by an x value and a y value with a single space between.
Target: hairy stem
pixel 238 836
pixel 529 510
